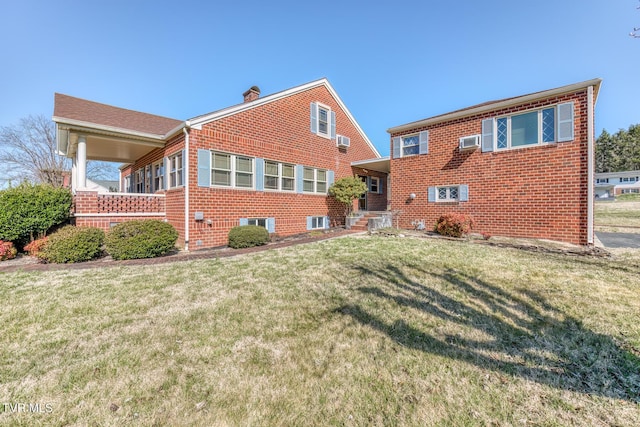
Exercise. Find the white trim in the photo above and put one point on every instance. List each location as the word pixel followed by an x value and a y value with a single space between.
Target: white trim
pixel 133 194
pixel 590 166
pixel 595 83
pixel 233 170
pixel 197 122
pixel 320 106
pixel 120 214
pixel 185 183
pixel 93 126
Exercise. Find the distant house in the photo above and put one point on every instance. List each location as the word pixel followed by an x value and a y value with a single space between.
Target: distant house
pixel 268 161
pixel 522 166
pixel 611 184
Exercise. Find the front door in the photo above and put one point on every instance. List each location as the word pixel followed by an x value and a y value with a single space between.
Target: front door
pixel 362 202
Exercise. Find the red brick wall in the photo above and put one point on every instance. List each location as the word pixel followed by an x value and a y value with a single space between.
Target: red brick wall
pixel 278 131
pixel 538 192
pixel 375 201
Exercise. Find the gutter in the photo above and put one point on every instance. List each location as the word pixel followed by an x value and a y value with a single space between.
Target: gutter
pixel 590 166
pixel 185 172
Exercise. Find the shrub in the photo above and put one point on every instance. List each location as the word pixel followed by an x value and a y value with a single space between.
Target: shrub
pixel 140 239
pixel 28 211
pixel 36 246
pixel 346 190
pixel 454 225
pixel 247 236
pixel 72 244
pixel 7 251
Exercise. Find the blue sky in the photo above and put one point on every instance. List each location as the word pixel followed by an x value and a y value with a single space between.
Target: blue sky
pixel 390 62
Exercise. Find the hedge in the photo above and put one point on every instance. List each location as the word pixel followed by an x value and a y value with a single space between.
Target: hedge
pixel 247 236
pixel 72 244
pixel 140 239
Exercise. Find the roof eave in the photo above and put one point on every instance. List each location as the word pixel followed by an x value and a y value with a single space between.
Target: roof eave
pixel 86 126
pixel 499 105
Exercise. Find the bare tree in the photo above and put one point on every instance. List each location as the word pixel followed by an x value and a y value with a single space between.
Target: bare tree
pixel 28 152
pixel 28 148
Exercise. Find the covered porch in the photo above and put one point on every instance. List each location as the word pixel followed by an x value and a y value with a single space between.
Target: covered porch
pixel 85 131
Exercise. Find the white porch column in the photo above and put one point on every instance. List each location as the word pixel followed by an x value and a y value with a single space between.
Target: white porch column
pixel 81 162
pixel 74 174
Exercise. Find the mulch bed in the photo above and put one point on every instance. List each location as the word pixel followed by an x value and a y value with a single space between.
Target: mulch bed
pixel 26 263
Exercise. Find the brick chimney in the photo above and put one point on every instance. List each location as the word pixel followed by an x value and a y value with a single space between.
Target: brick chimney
pixel 252 94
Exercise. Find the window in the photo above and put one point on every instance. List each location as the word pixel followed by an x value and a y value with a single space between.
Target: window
pixel 602 180
pixel 317 222
pixel 139 180
pixel 447 194
pixel 148 179
pixel 374 185
pixel 410 145
pixel 158 176
pixel 279 176
pixel 229 170
pixel 244 172
pixel 314 180
pixel 323 120
pixel 127 184
pixel 221 170
pixel 175 170
pixel 631 179
pixel 530 128
pixel 261 222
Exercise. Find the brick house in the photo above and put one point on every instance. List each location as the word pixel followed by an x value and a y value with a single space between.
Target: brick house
pixel 522 166
pixel 268 161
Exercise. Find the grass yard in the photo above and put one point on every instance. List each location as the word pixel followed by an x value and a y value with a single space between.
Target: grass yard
pixel 352 331
pixel 623 215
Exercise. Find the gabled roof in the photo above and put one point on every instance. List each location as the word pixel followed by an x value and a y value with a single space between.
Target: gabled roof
pixel 499 104
pixel 78 111
pixel 198 121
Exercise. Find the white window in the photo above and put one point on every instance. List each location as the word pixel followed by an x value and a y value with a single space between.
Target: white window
pixel 279 176
pixel 139 180
pixel 148 179
pixel 317 222
pixel 448 194
pixel 314 180
pixel 175 170
pixel 410 145
pixel 526 129
pixel 158 176
pixel 602 180
pixel 630 190
pixel 323 120
pixel 261 222
pixel 229 170
pixel 629 179
pixel 374 185
pixel 127 184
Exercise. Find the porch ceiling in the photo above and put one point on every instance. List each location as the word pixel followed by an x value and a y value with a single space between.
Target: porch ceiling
pixel 380 164
pixel 111 147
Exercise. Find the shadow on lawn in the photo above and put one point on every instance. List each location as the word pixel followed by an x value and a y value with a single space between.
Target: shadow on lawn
pixel 519 334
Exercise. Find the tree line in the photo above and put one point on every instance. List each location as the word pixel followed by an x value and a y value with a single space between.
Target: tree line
pixel 619 151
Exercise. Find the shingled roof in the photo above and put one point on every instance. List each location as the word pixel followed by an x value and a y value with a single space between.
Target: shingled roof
pixel 89 112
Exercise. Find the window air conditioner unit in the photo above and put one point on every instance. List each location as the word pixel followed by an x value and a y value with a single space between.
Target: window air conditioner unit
pixel 469 142
pixel 343 141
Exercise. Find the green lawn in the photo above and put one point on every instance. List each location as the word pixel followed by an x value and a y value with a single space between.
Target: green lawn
pixel 622 215
pixel 352 331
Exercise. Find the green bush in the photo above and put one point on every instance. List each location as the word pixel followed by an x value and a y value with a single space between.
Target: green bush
pixel 247 236
pixel 454 225
pixel 28 211
pixel 140 239
pixel 72 244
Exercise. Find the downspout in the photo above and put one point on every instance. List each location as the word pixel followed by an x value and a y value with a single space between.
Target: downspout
pixel 185 129
pixel 590 166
